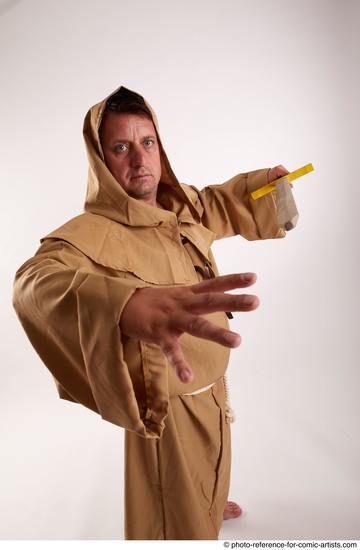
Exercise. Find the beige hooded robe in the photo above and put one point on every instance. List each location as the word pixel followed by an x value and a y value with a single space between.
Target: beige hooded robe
pixel 69 298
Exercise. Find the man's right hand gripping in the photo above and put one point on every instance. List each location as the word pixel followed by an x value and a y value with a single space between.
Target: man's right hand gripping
pixel 161 315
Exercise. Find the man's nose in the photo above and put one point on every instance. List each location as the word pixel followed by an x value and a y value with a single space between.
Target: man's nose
pixel 137 156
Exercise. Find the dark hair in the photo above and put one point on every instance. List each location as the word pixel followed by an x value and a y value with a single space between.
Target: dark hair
pixel 126 101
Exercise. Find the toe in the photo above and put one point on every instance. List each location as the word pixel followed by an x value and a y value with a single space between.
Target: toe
pixel 232 510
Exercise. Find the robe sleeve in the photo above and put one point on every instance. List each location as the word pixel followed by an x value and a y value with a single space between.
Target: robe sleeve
pixel 228 208
pixel 71 317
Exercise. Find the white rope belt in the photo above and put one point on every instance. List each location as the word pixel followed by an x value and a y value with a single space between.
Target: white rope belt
pixel 199 390
pixel 229 413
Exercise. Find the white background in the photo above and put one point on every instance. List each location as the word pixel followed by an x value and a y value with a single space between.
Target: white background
pixel 237 86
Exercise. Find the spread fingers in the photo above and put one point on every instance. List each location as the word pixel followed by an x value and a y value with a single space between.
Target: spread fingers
pixel 210 302
pixel 225 282
pixel 202 328
pixel 175 356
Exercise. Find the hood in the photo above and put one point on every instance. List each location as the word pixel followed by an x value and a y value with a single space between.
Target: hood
pixel 106 197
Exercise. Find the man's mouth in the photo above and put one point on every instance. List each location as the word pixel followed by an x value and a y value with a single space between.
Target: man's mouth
pixel 140 176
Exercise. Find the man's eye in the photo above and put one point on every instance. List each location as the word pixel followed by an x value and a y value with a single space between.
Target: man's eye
pixel 120 147
pixel 149 142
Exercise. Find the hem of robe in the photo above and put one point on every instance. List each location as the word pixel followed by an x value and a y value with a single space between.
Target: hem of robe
pixel 176 487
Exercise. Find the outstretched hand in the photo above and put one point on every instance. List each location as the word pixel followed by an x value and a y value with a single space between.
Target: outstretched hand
pixel 161 315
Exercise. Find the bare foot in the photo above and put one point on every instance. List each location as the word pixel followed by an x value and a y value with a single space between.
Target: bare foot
pixel 232 510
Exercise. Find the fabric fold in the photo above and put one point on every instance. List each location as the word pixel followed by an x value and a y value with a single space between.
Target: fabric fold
pixel 85 353
pixel 229 210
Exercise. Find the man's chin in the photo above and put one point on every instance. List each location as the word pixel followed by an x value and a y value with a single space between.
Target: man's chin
pixel 143 192
pixel 138 183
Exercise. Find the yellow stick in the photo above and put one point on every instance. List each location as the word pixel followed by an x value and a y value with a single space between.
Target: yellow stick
pixel 291 176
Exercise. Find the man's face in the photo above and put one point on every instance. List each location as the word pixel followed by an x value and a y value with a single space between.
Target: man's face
pixel 132 153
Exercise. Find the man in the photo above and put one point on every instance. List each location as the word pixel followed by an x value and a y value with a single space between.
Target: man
pixel 125 307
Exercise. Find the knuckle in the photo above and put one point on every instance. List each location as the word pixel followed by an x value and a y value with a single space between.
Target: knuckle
pixel 172 353
pixel 209 299
pixel 197 324
pixel 168 349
